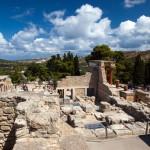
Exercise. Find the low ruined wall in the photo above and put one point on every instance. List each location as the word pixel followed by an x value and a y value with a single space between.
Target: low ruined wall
pixel 7 117
pixel 142 96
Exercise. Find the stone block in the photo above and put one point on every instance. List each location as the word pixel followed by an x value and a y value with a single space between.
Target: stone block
pixel 88 108
pixel 123 132
pixel 118 117
pixel 8 110
pixel 3 118
pixel 2 104
pixel 136 130
pixel 23 132
pixel 99 115
pixel 1 135
pixel 100 132
pixel 4 123
pixel 19 123
pixel 5 128
pixel 10 116
pixel 67 109
pixel 1 112
pixel 1 141
pixel 105 106
pixel 120 130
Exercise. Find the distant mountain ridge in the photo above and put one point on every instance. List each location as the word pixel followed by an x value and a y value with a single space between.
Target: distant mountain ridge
pixel 129 54
pixel 132 54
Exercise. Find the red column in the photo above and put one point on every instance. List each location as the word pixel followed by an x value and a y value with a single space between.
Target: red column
pixel 110 75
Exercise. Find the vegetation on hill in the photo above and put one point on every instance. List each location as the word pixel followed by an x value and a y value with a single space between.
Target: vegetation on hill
pixel 145 55
pixel 127 69
pixel 55 68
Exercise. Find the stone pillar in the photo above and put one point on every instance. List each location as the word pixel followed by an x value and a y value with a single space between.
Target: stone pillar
pixel 117 83
pixel 64 92
pixel 125 87
pixel 73 93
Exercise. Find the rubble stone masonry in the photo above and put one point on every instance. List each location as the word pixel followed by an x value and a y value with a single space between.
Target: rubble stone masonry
pixel 7 118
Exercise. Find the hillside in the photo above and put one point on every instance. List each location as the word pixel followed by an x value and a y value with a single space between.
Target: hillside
pixel 132 54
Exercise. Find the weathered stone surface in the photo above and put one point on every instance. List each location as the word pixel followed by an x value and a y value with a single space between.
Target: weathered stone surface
pixel 5 128
pixel 118 117
pixel 41 121
pixel 67 109
pixel 137 110
pixel 105 106
pixel 19 123
pixel 8 110
pixel 100 133
pixel 3 118
pixel 1 135
pixel 36 144
pixel 1 112
pixel 2 104
pixel 136 130
pixel 4 123
pixel 120 130
pixel 74 142
pixel 99 115
pixel 88 108
pixel 23 132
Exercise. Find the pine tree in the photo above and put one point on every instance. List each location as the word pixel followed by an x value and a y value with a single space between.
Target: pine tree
pixel 139 71
pixel 76 66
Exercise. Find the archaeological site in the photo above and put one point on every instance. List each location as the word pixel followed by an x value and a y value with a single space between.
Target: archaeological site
pixel 79 110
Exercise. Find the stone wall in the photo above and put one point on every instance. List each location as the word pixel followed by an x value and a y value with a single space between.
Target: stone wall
pixel 141 96
pixel 7 118
pixel 75 81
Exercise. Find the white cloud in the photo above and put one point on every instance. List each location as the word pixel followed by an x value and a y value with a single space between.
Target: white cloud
pixel 87 28
pixel 78 33
pixel 132 3
pixel 27 12
pixel 23 40
pixel 5 46
pixel 134 35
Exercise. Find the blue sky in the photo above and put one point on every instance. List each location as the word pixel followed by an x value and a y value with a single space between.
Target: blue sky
pixel 40 28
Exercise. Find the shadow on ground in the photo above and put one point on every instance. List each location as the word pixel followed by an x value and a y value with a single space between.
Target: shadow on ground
pixel 145 139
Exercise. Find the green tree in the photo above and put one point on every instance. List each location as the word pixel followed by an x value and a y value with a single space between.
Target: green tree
pixel 124 70
pixel 147 72
pixel 139 71
pixel 35 71
pixel 76 66
pixel 17 77
pixel 118 56
pixel 62 67
pixel 101 52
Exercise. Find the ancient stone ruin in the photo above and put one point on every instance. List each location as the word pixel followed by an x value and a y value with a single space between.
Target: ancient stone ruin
pixel 82 108
pixel 32 121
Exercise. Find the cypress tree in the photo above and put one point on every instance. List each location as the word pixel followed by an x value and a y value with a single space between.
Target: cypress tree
pixel 76 66
pixel 147 73
pixel 139 71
